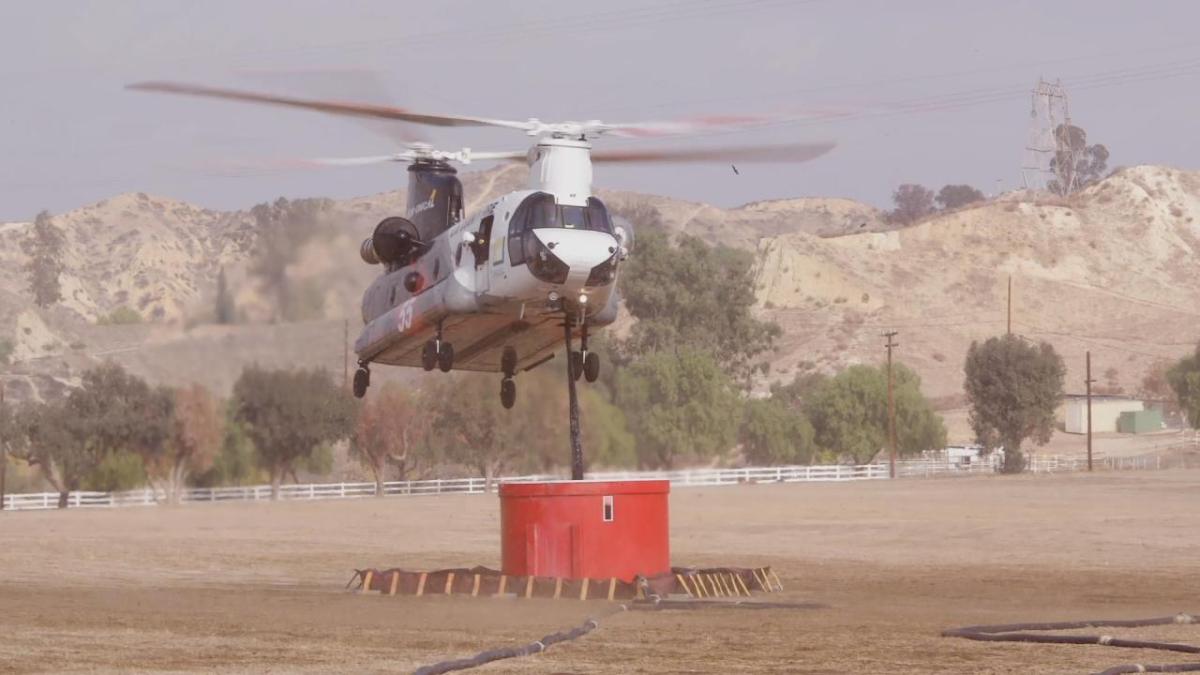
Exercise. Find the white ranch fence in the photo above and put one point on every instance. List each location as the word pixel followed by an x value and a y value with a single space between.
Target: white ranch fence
pixel 685 478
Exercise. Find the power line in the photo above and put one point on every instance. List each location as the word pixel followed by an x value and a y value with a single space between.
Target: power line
pixel 980 96
pixel 1124 296
pixel 1040 331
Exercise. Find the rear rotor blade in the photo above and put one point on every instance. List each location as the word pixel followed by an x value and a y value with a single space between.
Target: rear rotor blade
pixel 331 107
pixel 802 152
pixel 355 161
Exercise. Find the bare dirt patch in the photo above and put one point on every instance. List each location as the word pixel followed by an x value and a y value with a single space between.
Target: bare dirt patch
pixel 257 587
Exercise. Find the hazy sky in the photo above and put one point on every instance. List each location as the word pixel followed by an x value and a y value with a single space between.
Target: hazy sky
pixel 932 91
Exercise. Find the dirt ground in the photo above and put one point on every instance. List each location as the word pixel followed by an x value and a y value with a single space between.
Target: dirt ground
pixel 259 587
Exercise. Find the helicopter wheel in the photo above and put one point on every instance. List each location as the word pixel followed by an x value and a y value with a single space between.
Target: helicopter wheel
pixel 508 393
pixel 445 357
pixel 362 380
pixel 576 364
pixel 429 356
pixel 591 366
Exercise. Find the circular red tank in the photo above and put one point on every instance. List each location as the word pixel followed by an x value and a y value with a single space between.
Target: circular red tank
pixel 585 529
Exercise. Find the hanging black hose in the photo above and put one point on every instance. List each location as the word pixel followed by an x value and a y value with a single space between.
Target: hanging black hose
pixel 1018 632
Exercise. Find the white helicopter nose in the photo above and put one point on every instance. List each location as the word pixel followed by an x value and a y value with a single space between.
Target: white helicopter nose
pixel 581 250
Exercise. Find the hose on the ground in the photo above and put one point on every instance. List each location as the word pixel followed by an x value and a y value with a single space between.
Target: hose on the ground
pixel 1019 632
pixel 655 603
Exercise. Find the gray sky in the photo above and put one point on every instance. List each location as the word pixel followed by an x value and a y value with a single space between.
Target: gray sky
pixel 71 135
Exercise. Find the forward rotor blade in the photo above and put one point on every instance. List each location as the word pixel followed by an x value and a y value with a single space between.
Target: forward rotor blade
pixel 802 152
pixel 330 107
pixel 686 127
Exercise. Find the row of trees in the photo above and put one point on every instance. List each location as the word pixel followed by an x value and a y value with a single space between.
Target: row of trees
pixel 1075 164
pixel 115 430
pixel 683 375
pixel 914 202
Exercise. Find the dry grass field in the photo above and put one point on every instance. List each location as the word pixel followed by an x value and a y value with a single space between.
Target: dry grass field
pixel 258 587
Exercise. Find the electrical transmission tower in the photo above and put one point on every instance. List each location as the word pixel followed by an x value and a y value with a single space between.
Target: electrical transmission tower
pixel 1049 154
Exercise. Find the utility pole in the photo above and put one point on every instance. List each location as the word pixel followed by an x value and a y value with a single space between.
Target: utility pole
pixel 891 407
pixel 1010 304
pixel 3 455
pixel 1088 382
pixel 345 353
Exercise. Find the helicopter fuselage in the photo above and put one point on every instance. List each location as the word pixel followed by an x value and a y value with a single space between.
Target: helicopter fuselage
pixel 506 277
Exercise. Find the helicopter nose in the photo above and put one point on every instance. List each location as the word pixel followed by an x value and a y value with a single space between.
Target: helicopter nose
pixel 581 250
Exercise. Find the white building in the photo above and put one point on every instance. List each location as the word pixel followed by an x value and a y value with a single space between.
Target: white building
pixel 1106 410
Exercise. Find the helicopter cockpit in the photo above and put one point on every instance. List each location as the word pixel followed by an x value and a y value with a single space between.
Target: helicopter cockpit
pixel 541 211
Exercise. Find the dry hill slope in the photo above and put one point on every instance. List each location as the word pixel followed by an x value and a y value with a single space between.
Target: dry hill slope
pixel 1114 271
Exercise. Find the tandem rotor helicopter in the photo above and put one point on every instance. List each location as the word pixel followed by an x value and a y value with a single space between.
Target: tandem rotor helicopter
pixel 496 291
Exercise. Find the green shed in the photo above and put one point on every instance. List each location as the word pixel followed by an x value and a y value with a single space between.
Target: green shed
pixel 1140 421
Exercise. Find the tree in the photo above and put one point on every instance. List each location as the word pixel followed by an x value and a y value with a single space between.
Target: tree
pixel 913 202
pixel 679 404
pixel 957 196
pixel 849 414
pixel 44 246
pixel 391 426
pixel 10 440
pixel 225 311
pixel 50 445
pixel 773 433
pixel 1013 388
pixel 1184 378
pixel 694 296
pixel 194 438
pixel 471 428
pixel 111 417
pixel 114 410
pixel 1075 163
pixel 287 414
pixel 607 441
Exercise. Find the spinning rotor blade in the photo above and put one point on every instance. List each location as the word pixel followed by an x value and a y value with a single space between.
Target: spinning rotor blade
pixel 354 161
pixel 464 156
pixel 331 107
pixel 688 126
pixel 801 152
pixel 532 126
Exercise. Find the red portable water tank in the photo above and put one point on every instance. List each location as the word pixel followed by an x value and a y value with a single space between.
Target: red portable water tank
pixel 585 529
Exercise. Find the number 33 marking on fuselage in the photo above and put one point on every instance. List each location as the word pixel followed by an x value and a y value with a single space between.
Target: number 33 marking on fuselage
pixel 405 319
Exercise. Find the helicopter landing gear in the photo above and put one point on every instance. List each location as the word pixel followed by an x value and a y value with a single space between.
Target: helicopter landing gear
pixel 362 379
pixel 508 392
pixel 508 362
pixel 576 365
pixel 584 362
pixel 508 388
pixel 438 354
pixel 445 357
pixel 591 366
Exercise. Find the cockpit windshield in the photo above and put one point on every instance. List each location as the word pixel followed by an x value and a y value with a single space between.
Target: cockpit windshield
pixel 545 213
pixel 540 211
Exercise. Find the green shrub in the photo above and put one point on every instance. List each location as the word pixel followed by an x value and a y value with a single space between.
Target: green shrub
pixel 117 472
pixel 121 316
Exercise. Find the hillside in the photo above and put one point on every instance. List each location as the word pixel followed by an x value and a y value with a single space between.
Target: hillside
pixel 1113 271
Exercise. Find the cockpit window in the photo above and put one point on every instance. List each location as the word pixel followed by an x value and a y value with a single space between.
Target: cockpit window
pixel 540 211
pixel 547 214
pixel 597 215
